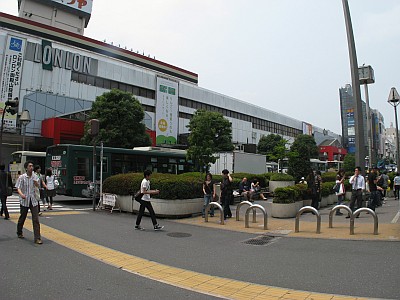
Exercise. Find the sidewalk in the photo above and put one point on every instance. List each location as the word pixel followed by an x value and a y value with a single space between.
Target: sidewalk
pixel 388 224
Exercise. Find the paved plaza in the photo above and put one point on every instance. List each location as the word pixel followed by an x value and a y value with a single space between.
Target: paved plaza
pixel 88 255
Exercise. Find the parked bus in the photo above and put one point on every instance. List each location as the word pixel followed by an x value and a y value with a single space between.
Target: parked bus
pixel 335 165
pixel 318 165
pixel 315 164
pixel 73 164
pixel 19 158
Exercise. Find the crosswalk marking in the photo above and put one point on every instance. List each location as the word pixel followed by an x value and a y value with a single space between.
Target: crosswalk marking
pixel 13 205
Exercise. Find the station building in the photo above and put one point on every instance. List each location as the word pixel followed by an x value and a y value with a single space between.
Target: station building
pixel 56 73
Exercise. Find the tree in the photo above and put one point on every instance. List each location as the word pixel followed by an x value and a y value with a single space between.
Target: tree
pixel 210 133
pixel 120 115
pixel 349 163
pixel 273 146
pixel 302 149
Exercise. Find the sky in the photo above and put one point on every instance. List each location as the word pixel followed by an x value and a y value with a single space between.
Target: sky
pixel 289 56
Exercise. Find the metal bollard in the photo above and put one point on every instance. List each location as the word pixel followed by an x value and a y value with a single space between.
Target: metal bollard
pixel 304 209
pixel 357 213
pixel 238 210
pixel 254 207
pixel 345 207
pixel 221 210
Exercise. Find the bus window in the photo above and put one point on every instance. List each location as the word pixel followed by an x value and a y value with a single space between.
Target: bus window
pixel 83 167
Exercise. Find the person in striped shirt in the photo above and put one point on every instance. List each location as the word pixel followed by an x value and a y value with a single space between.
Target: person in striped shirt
pixel 25 185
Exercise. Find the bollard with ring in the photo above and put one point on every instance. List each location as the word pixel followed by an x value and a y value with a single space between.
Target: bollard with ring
pixel 337 207
pixel 305 209
pixel 221 210
pixel 254 207
pixel 238 210
pixel 357 213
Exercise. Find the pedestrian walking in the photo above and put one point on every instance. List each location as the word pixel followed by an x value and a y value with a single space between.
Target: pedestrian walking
pixel 396 185
pixel 5 186
pixel 313 185
pixel 209 194
pixel 145 202
pixel 226 193
pixel 50 183
pixel 357 182
pixel 37 170
pixel 25 185
pixel 341 193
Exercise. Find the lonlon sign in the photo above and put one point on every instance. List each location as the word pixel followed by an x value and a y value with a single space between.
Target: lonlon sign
pixel 51 57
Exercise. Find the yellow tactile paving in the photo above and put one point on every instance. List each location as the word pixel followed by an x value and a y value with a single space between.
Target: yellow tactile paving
pixel 194 281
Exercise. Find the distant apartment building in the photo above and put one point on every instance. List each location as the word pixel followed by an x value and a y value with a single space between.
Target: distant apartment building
pixel 348 125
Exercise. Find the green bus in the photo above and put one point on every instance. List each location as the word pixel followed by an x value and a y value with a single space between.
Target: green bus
pixel 73 164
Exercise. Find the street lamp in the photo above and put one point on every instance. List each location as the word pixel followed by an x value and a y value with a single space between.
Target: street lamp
pixel 366 76
pixel 25 119
pixel 393 100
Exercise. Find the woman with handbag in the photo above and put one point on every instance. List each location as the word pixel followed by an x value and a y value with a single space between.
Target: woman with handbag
pixel 341 191
pixel 5 190
pixel 50 182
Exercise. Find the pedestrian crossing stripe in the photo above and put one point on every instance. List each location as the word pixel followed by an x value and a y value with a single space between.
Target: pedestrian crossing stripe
pixel 13 205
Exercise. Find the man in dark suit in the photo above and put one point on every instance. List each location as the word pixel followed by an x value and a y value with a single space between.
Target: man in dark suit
pixel 4 183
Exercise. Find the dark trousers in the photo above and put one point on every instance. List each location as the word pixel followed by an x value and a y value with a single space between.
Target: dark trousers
pixel 374 199
pixel 356 195
pixel 315 200
pixel 4 207
pixel 143 205
pixel 396 191
pixel 35 220
pixel 225 200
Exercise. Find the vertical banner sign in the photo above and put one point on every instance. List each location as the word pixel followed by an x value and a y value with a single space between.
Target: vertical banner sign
pixel 351 132
pixel 166 112
pixel 47 58
pixel 10 77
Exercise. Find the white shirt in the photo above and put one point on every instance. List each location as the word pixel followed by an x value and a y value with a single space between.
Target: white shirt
pixel 360 182
pixel 27 187
pixel 145 186
pixel 50 182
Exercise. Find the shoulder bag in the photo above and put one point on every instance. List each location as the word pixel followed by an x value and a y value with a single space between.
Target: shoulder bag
pixel 9 188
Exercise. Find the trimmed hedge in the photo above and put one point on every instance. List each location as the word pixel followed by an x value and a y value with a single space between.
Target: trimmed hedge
pixel 171 186
pixel 329 177
pixel 281 177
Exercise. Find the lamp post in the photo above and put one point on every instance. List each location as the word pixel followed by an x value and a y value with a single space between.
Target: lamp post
pixel 393 100
pixel 25 119
pixel 366 76
pixel 355 82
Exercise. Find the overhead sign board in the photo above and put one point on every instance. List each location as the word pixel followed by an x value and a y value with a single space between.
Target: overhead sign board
pixel 80 5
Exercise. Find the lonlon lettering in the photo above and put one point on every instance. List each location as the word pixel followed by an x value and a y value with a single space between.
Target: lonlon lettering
pixel 53 57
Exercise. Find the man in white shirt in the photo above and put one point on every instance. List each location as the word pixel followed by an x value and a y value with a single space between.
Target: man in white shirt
pixel 145 202
pixel 357 182
pixel 25 185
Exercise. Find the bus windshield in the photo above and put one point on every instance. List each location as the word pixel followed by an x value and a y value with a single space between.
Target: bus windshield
pixel 16 158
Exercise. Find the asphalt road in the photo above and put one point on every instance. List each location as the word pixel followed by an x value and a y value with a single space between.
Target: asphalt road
pixel 354 268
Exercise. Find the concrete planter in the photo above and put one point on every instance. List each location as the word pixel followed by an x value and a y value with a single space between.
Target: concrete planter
pixel 307 202
pixel 279 210
pixel 165 208
pixel 330 199
pixel 334 198
pixel 275 184
pixel 324 202
pixel 348 196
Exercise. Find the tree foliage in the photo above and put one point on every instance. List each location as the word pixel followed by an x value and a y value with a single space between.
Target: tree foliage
pixel 273 146
pixel 349 163
pixel 302 149
pixel 210 133
pixel 120 115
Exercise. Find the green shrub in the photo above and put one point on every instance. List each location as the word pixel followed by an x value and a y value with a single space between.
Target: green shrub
pixel 305 192
pixel 327 188
pixel 284 195
pixel 328 176
pixel 171 186
pixel 281 177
